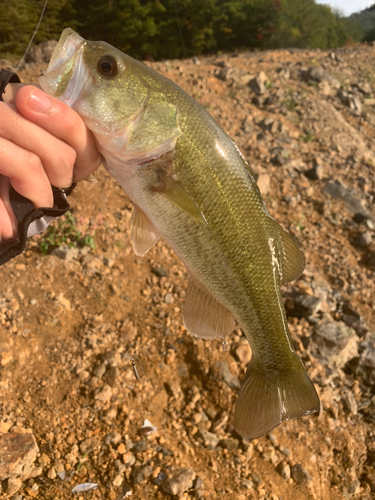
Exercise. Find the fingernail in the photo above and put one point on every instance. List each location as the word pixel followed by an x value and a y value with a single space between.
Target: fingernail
pixel 40 102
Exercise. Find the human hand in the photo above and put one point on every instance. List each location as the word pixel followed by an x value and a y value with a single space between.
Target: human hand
pixel 42 142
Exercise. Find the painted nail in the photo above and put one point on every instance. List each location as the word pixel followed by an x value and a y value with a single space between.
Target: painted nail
pixel 39 102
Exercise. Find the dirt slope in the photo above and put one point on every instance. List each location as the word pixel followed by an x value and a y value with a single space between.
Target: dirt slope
pixel 70 327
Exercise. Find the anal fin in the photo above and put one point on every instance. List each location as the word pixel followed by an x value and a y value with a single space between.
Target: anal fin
pixel 267 398
pixel 143 233
pixel 204 316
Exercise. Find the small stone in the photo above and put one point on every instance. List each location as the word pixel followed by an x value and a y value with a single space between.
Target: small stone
pixel 365 88
pixel 118 480
pixel 160 271
pixel 315 173
pixel 5 426
pixel 65 253
pixel 17 455
pixel 168 299
pixel 5 357
pixel 285 451
pixel 299 474
pixel 170 357
pixel 367 351
pixel 121 449
pixel 257 84
pixel 179 481
pixel 128 458
pixel 140 445
pixel 120 467
pixel 303 305
pixel 51 473
pixel 363 240
pixel 64 301
pixel 110 376
pixel 204 423
pixel 264 183
pixel 227 73
pixel 14 485
pixel 316 73
pixel 284 73
pixel 173 388
pixel 230 379
pixel 210 439
pixel 229 444
pixel 104 394
pixel 89 445
pixel 283 469
pixel 112 438
pixel 141 474
pixel 44 459
pixel 243 353
pixel 349 402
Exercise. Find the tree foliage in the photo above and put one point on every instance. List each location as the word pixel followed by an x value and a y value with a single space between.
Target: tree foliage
pixel 178 28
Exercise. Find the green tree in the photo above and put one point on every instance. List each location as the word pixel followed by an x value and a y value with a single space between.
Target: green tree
pixel 245 23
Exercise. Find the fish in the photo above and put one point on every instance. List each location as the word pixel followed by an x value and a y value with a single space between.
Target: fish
pixel 191 186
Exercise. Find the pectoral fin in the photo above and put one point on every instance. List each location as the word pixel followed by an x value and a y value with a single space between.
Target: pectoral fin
pixel 204 316
pixel 173 192
pixel 143 233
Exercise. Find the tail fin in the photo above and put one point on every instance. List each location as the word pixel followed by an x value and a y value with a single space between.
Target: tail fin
pixel 266 399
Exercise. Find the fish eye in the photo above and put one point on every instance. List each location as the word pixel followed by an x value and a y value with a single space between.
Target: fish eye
pixel 107 66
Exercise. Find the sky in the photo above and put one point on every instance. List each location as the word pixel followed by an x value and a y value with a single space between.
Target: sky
pixel 348 6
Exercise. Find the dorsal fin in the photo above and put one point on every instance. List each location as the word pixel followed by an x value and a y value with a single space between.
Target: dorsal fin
pixel 294 259
pixel 204 316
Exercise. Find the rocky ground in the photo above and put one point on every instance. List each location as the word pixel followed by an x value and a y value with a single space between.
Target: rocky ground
pixel 100 384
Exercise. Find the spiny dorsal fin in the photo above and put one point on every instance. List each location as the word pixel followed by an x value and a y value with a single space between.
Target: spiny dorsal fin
pixel 204 316
pixel 143 233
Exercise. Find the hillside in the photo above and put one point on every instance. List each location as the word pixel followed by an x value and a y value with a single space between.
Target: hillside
pixel 366 20
pixel 72 321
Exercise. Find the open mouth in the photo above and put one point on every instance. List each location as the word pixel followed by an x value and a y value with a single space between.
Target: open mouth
pixel 66 74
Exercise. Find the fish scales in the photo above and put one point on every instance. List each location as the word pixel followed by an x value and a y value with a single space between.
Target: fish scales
pixel 192 186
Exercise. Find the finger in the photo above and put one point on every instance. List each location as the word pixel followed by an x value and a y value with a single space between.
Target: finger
pixel 11 90
pixel 62 122
pixel 57 157
pixel 8 221
pixel 26 173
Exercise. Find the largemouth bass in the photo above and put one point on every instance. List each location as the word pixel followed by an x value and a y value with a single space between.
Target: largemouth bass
pixel 191 186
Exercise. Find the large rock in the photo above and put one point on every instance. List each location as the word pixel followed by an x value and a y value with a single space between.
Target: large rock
pixel 179 481
pixel 17 455
pixel 332 130
pixel 367 351
pixel 336 342
pixel 337 190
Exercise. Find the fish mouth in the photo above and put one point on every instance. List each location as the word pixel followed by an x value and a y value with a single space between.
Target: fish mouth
pixel 66 75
